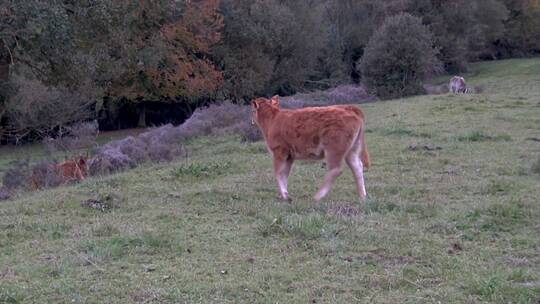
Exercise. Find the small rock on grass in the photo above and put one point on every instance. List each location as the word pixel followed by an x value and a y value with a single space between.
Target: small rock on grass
pixel 455 248
pixel 149 268
pixel 103 204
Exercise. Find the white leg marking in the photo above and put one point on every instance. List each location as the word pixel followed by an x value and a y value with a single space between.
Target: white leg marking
pixel 282 174
pixel 357 168
pixel 329 179
pixel 282 182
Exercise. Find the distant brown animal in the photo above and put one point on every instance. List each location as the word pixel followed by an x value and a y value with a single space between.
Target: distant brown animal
pixel 72 170
pixel 69 171
pixel 333 133
pixel 457 85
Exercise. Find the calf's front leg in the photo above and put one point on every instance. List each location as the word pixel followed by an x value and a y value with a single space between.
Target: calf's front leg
pixel 282 168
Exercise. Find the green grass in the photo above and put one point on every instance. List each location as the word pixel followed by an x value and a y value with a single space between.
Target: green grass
pixel 481 136
pixel 456 225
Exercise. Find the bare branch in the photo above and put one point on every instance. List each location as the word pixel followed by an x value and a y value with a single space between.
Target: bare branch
pixel 9 51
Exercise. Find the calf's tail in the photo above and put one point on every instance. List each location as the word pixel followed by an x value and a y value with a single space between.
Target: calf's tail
pixel 364 154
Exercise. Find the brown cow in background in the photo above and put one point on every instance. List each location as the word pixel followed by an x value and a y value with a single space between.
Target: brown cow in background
pixel 72 170
pixel 69 171
pixel 333 133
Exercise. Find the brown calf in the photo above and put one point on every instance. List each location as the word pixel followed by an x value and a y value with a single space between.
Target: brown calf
pixel 66 172
pixel 72 170
pixel 333 133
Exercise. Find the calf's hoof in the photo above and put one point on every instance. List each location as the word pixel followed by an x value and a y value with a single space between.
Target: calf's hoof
pixel 287 199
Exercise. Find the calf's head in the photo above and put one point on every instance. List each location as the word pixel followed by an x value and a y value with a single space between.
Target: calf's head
pixel 82 166
pixel 264 109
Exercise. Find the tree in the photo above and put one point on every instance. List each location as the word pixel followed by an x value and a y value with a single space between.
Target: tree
pixel 522 29
pixel 36 110
pixel 270 46
pixel 490 16
pixel 399 55
pixel 165 50
pixel 144 50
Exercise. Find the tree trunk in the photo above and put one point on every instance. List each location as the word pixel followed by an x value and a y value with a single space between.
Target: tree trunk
pixel 4 72
pixel 5 62
pixel 142 116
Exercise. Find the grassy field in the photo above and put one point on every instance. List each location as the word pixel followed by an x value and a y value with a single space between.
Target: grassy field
pixel 453 216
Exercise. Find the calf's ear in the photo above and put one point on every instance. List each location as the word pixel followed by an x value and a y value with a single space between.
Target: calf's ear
pixel 255 104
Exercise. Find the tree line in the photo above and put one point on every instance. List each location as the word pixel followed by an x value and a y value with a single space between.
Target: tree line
pixel 88 56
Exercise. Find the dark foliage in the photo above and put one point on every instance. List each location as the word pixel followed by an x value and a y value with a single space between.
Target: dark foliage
pixel 74 137
pixel 38 110
pixel 56 70
pixel 398 57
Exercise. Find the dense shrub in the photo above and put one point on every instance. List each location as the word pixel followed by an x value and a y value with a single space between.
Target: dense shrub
pixel 344 94
pixel 157 145
pixel 272 46
pixel 245 129
pixel 164 143
pixel 17 175
pixel 37 110
pixel 4 194
pixel 44 175
pixel 109 161
pixel 74 137
pixel 224 118
pixel 23 176
pixel 398 57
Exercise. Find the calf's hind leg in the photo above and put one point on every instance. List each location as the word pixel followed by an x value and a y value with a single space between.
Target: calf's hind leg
pixel 334 161
pixel 357 168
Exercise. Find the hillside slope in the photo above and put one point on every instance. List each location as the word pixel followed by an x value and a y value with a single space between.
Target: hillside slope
pixel 452 216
